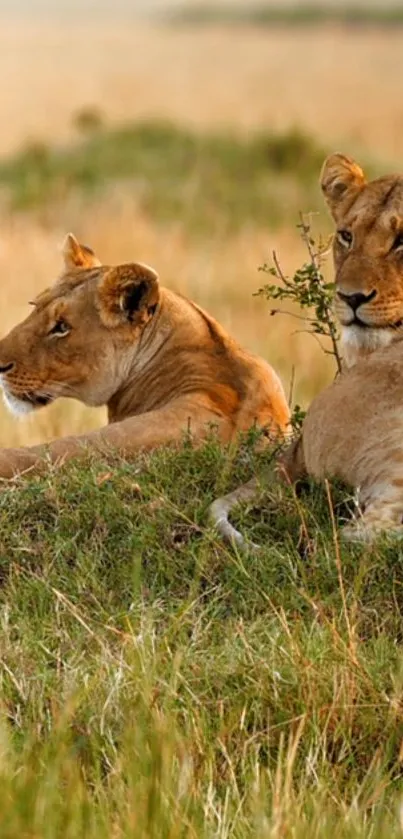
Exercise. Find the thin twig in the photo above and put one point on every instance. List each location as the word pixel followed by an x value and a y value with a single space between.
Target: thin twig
pixel 279 271
pixel 292 383
pixel 305 318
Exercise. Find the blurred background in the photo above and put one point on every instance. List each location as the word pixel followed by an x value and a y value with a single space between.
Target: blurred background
pixel 189 136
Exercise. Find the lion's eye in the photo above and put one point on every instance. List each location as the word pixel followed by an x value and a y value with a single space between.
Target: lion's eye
pixel 345 237
pixel 61 327
pixel 398 243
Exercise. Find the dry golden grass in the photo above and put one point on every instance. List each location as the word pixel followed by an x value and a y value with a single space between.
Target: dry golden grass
pixel 342 86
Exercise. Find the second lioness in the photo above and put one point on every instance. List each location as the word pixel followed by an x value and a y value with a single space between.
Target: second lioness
pixel 112 336
pixel 354 429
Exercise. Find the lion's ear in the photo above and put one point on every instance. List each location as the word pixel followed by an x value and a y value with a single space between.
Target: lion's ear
pixel 341 180
pixel 128 293
pixel 78 256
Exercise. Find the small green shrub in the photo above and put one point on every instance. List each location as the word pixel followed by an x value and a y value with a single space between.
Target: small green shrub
pixel 307 289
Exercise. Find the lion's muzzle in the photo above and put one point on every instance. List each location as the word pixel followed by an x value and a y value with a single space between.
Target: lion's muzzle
pixel 353 304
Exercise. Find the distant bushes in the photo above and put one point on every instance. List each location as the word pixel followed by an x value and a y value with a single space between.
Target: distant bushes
pixel 88 119
pixel 269 14
pixel 172 171
pixel 294 151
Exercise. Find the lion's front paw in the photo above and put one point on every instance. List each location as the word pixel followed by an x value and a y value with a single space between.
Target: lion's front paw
pixel 16 462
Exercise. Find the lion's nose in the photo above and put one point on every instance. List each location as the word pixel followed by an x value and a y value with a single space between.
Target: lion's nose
pixel 356 299
pixel 5 368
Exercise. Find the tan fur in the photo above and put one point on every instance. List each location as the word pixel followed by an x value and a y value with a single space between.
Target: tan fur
pixel 372 265
pixel 161 364
pixel 354 429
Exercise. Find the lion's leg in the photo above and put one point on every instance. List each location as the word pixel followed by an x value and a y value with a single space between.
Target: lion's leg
pixel 289 466
pixel 220 508
pixel 383 513
pixel 144 432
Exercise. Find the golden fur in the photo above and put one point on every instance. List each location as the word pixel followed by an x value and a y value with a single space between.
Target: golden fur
pixel 113 336
pixel 354 428
pixel 368 255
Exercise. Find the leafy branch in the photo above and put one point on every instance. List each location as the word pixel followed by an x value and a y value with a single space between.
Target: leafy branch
pixel 308 289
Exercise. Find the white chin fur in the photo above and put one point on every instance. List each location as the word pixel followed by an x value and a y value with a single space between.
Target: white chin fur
pixel 357 342
pixel 18 407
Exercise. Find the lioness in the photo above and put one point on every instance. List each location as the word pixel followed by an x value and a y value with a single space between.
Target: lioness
pixel 354 428
pixel 112 336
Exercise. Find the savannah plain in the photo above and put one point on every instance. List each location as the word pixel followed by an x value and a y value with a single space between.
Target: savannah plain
pixel 154 682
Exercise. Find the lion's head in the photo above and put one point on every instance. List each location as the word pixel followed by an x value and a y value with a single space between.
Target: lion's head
pixel 368 254
pixel 83 334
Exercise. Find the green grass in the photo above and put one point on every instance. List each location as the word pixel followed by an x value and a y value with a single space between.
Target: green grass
pixel 155 683
pixel 208 181
pixel 305 14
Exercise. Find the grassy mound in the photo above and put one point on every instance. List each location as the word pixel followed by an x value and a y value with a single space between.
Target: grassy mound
pixel 155 683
